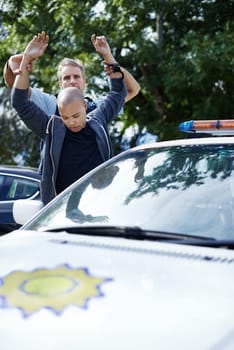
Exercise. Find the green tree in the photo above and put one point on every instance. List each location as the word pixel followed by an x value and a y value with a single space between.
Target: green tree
pixel 182 54
pixel 180 51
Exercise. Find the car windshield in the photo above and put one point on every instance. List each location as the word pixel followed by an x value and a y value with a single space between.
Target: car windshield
pixel 186 189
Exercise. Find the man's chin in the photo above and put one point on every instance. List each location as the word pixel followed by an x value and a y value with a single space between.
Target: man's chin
pixel 75 129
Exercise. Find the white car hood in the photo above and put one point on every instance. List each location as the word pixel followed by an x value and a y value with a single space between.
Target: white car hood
pixel 60 291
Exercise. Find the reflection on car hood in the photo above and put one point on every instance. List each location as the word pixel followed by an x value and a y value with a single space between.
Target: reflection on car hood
pixel 59 291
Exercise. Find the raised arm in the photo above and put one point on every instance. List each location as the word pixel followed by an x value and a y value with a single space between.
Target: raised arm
pixel 102 47
pixel 33 116
pixel 34 49
pixel 12 66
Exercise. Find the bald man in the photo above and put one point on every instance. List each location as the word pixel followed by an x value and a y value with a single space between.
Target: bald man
pixel 74 142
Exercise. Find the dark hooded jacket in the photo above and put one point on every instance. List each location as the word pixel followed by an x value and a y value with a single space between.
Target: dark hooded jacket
pixel 51 130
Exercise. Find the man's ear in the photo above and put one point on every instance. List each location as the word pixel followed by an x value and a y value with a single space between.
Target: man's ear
pixel 85 105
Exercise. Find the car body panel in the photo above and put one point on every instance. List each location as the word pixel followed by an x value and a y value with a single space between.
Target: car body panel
pixel 130 294
pixel 95 289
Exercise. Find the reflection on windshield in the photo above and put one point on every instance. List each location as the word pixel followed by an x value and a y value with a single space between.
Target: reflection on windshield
pixel 184 189
pixel 99 180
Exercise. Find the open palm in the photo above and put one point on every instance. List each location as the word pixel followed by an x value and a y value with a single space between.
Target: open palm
pixel 37 46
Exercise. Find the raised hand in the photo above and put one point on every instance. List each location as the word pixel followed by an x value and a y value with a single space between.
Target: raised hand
pixel 36 46
pixel 34 49
pixel 102 47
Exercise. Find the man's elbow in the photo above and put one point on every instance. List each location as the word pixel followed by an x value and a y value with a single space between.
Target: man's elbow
pixel 131 93
pixel 8 76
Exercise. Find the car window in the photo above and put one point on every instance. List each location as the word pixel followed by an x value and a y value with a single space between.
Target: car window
pixel 16 187
pixel 182 189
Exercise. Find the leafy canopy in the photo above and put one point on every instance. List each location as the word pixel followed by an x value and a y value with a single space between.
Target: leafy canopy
pixel 180 51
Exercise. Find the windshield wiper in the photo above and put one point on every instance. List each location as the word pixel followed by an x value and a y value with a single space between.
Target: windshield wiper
pixel 106 231
pixel 131 232
pixel 209 242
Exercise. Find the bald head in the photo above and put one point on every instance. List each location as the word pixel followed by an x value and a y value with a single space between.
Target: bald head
pixel 72 108
pixel 69 95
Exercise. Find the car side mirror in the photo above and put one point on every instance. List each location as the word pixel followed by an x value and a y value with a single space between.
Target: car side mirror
pixel 25 209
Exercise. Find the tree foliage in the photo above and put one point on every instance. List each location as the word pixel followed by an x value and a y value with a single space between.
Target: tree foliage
pixel 180 51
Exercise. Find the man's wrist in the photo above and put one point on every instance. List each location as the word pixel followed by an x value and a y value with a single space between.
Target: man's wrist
pixel 26 59
pixel 116 68
pixel 109 59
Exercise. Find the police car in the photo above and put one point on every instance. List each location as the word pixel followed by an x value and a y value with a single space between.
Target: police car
pixel 137 254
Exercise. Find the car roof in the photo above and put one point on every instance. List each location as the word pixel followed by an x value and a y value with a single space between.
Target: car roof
pixel 20 171
pixel 187 141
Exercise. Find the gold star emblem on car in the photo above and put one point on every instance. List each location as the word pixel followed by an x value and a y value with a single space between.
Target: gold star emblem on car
pixel 53 289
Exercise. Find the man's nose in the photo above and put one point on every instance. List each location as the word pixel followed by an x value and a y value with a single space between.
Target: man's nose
pixel 72 80
pixel 72 122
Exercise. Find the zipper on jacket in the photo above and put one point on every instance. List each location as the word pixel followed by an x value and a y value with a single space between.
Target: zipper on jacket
pixel 51 153
pixel 106 137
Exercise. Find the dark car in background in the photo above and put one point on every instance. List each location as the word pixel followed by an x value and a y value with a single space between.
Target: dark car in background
pixel 16 182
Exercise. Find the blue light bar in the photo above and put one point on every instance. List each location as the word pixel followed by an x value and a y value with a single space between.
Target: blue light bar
pixel 187 126
pixel 216 126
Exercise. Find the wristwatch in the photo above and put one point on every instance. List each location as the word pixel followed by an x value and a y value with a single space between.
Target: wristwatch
pixel 116 68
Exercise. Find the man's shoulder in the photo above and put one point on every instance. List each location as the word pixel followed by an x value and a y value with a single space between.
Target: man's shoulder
pixel 47 102
pixel 39 92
